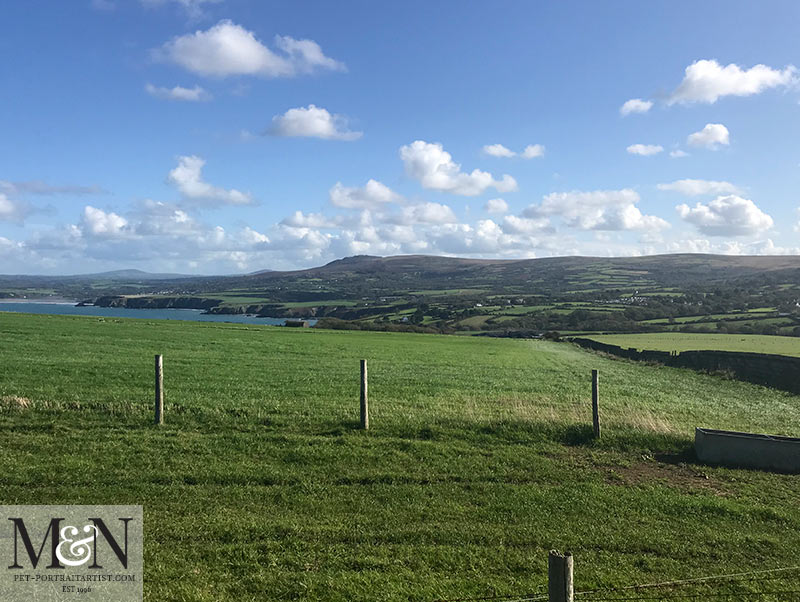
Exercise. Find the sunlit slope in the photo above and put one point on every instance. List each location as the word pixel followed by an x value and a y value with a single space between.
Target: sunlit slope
pixel 479 460
pixel 684 341
pixel 309 378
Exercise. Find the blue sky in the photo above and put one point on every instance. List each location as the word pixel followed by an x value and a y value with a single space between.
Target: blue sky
pixel 222 136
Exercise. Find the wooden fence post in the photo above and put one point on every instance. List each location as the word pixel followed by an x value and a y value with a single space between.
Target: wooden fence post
pixel 159 418
pixel 559 577
pixel 364 401
pixel 596 403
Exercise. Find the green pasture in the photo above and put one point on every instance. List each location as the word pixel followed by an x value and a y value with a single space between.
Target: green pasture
pixel 261 486
pixel 683 341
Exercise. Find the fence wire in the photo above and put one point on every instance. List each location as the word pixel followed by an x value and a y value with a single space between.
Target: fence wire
pixel 759 585
pixel 778 595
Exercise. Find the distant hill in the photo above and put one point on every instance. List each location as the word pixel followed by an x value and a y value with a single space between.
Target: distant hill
pixel 552 271
pixel 686 267
pixel 114 275
pixel 257 272
pixel 364 277
pixel 128 275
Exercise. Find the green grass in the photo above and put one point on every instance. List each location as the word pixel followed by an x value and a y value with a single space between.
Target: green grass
pixel 261 487
pixel 524 309
pixel 475 321
pixel 332 303
pixel 774 321
pixel 242 301
pixel 662 293
pixel 684 341
pixel 501 319
pixel 450 291
pixel 701 318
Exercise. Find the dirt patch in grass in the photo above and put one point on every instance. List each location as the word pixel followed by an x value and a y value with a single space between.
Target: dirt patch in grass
pixel 681 476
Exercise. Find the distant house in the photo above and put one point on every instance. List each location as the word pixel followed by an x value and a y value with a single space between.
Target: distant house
pixel 298 323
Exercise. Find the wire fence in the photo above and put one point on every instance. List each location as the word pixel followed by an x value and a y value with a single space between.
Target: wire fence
pixel 777 595
pixel 778 585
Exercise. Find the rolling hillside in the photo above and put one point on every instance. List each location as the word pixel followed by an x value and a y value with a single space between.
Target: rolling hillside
pixel 696 293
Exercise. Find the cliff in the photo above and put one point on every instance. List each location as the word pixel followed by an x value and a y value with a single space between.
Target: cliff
pixel 158 302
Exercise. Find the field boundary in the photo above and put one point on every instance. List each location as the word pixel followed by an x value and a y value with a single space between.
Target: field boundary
pixel 776 371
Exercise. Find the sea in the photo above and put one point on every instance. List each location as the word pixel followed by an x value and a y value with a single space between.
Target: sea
pixel 68 308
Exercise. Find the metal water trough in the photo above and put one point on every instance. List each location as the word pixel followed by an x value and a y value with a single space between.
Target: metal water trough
pixel 751 450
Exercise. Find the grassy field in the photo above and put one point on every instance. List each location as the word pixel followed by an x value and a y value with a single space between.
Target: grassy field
pixel 662 341
pixel 479 460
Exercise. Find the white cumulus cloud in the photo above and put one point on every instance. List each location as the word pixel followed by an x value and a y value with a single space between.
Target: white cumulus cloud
pixel 533 151
pixel 730 247
pixel 691 245
pixel 187 177
pixel 486 238
pixel 157 218
pixel 435 169
pixel 428 213
pixel 691 187
pixel 229 49
pixel 635 105
pixel 678 153
pixel 496 206
pixel 12 210
pixel 712 136
pixel 529 152
pixel 96 222
pixel 768 247
pixel 726 216
pixel 309 220
pixel 707 81
pixel 195 94
pixel 253 237
pixel 372 195
pixel 498 150
pixel 312 122
pixel 644 150
pixel 597 210
pixel 513 224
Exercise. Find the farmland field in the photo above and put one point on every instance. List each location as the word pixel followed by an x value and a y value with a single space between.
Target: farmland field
pixel 753 343
pixel 479 460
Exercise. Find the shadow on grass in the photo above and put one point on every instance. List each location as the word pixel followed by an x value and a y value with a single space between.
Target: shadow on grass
pixel 532 433
pixel 671 447
pixel 578 434
pixel 676 458
pixel 350 425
